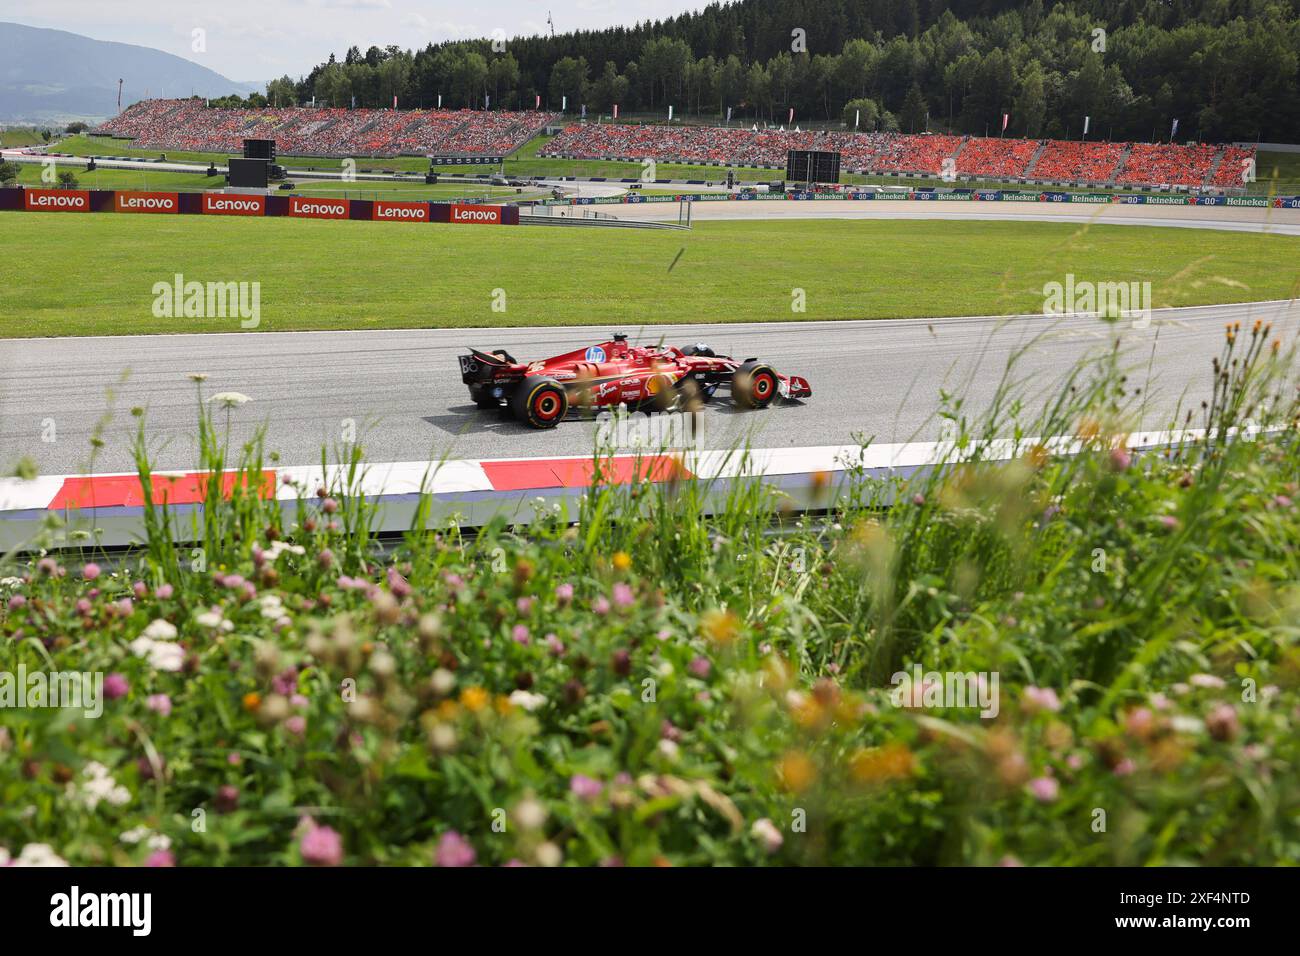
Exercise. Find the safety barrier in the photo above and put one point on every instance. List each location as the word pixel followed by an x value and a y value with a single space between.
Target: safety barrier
pixel 959 195
pixel 253 204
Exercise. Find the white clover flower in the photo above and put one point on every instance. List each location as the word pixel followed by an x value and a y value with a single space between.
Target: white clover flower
pixel 443 681
pixel 162 655
pixel 37 854
pixel 669 750
pixel 142 834
pixel 1187 725
pixel 526 700
pixel 97 785
pixel 548 854
pixel 135 835
pixel 166 657
pixel 213 621
pixel 272 609
pixel 278 548
pixel 230 399
pixel 530 813
pixel 160 630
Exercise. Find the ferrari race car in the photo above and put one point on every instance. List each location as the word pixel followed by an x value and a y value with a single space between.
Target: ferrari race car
pixel 646 378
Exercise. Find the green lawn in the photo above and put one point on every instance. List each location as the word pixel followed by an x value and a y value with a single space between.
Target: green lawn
pixel 19 136
pixel 106 178
pixel 1277 173
pixel 330 275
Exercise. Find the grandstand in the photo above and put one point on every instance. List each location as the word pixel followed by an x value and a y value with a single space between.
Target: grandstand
pixel 189 125
pixel 1158 164
pixel 1078 162
pixel 973 157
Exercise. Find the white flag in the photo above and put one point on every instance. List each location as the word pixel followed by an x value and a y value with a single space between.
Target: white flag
pixel 1085 125
pixel 670 114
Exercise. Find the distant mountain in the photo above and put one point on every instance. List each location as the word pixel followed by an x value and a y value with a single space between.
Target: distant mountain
pixel 51 76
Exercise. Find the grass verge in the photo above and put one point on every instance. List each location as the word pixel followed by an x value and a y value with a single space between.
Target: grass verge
pixel 355 275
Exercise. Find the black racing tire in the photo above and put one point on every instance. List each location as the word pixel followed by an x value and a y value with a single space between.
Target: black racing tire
pixel 540 402
pixel 754 385
pixel 481 397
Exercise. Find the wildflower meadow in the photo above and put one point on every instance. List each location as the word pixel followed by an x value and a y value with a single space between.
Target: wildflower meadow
pixel 1077 655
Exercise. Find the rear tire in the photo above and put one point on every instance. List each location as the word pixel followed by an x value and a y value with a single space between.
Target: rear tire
pixel 754 385
pixel 540 403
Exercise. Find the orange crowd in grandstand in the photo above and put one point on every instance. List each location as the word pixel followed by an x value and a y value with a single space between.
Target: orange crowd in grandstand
pixel 308 131
pixel 1127 164
pixel 188 124
pixel 1079 162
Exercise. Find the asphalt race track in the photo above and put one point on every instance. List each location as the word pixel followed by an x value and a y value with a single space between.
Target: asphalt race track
pixel 401 390
pixel 1285 222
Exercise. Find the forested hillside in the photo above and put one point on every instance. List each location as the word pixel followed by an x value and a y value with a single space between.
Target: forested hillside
pixel 1226 69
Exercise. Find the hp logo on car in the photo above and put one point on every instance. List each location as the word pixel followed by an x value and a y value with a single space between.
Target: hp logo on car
pixel 595 354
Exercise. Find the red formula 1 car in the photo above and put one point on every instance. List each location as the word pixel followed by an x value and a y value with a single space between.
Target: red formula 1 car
pixel 540 394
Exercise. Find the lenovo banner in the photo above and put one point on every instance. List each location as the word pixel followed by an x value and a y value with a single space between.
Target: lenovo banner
pixel 484 214
pixel 234 205
pixel 400 211
pixel 56 200
pixel 146 202
pixel 313 208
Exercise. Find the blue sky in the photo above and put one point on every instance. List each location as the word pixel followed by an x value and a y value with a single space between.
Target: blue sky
pixel 261 39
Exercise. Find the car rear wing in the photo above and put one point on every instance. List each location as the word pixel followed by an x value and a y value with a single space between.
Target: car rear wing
pixel 481 366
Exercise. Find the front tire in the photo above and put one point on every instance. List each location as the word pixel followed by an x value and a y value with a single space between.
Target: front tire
pixel 754 385
pixel 540 403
